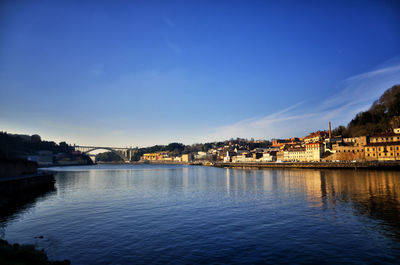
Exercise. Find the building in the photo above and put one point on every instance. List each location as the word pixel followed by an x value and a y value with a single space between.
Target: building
pixel 178 159
pixel 384 146
pixel 296 154
pixel 314 151
pixel 286 142
pixel 257 155
pixel 315 137
pixel 280 156
pixel 154 156
pixel 269 156
pixel 278 142
pixel 186 158
pixel 229 155
pixel 243 158
pixel 200 155
pixel 350 149
pixel 45 158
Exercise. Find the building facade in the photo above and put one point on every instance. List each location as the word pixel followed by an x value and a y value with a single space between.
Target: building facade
pixel 350 149
pixel 384 146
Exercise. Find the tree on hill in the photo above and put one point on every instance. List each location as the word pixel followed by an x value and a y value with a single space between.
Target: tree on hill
pixel 17 146
pixel 108 157
pixel 383 115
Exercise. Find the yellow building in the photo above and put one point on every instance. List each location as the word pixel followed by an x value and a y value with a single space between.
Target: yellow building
pixel 295 154
pixel 186 158
pixel 384 146
pixel 314 151
pixel 155 156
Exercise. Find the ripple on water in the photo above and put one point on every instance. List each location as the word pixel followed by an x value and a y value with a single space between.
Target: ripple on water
pixel 180 214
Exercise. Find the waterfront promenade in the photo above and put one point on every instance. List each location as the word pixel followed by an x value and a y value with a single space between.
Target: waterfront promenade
pixel 317 165
pixel 373 165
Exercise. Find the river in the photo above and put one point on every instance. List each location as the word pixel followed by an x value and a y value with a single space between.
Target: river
pixel 158 214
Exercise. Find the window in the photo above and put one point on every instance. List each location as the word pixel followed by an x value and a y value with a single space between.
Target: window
pixel 368 154
pixel 368 149
pixel 391 154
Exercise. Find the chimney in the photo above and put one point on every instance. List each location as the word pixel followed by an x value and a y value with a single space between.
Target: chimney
pixel 330 132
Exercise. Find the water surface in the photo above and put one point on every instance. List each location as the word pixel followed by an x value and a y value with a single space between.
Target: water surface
pixel 124 214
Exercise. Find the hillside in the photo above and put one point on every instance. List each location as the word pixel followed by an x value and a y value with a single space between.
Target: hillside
pixel 383 115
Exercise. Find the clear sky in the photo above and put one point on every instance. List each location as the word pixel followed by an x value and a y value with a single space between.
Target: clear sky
pixel 138 73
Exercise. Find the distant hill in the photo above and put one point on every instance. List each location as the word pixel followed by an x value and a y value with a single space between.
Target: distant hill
pixel 108 157
pixel 17 145
pixel 383 115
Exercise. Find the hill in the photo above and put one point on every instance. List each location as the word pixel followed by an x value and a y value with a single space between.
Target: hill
pixel 383 115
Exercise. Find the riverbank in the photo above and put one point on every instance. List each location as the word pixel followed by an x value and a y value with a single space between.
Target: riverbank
pixel 20 181
pixel 20 190
pixel 383 165
pixel 25 254
pixel 317 165
pixel 12 167
pixel 152 162
pixel 20 186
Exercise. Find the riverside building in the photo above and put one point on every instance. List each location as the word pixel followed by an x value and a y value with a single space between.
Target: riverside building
pixel 351 148
pixel 384 146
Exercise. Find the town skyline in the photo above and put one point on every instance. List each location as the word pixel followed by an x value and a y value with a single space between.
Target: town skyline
pixel 137 74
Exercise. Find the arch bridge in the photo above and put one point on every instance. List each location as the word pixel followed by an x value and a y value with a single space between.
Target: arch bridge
pixel 124 153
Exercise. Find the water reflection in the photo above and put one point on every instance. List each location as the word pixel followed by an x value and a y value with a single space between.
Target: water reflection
pixel 374 194
pixel 13 203
pixel 183 213
pixel 371 193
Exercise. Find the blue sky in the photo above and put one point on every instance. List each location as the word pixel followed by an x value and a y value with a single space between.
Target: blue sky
pixel 138 73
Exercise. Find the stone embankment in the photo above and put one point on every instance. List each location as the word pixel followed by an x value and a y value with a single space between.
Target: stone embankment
pixel 160 162
pixel 12 167
pixel 20 180
pixel 317 165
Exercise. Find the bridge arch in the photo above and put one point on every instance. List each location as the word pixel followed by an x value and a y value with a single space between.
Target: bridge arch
pixel 105 148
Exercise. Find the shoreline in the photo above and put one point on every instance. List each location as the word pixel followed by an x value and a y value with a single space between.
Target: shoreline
pixel 382 165
pixel 386 165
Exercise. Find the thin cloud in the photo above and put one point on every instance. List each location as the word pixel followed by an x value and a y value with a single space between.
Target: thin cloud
pixel 98 69
pixel 355 94
pixel 168 21
pixel 174 47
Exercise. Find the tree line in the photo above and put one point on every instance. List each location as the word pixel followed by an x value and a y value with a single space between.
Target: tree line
pixel 383 115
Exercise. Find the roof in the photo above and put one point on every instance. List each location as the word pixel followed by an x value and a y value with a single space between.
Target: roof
pixel 383 144
pixel 315 134
pixel 298 149
pixel 316 143
pixel 387 134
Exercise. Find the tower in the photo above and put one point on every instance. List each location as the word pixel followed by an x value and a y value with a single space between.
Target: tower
pixel 330 132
